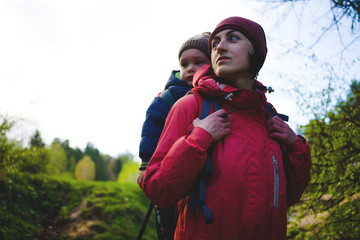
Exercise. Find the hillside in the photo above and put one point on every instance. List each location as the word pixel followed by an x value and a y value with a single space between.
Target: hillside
pixel 45 207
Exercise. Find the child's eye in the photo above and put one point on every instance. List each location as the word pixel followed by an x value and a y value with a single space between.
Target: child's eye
pixel 184 64
pixel 199 62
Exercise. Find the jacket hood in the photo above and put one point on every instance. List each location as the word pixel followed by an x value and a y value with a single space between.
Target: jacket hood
pixel 175 81
pixel 207 83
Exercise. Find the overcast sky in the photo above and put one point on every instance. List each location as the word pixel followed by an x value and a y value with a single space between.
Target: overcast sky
pixel 86 70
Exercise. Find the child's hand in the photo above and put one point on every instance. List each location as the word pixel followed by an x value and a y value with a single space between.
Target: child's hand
pixel 140 178
pixel 279 130
pixel 214 124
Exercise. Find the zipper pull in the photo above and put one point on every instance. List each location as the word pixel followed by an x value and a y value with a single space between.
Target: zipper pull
pixel 275 163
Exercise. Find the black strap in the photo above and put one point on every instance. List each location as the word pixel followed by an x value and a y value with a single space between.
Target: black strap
pixel 143 226
pixel 270 112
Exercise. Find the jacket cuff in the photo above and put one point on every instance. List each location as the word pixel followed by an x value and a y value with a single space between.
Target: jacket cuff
pixel 143 166
pixel 200 138
pixel 298 145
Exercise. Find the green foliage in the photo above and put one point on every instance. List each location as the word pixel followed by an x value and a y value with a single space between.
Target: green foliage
pixel 10 150
pixel 129 172
pixel 43 207
pixel 100 165
pixel 116 166
pixel 72 155
pixel 119 211
pixel 57 158
pixel 15 158
pixel 85 169
pixel 29 203
pixel 36 141
pixel 34 206
pixel 332 197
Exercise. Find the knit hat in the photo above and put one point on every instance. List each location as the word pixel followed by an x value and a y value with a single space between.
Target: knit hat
pixel 200 42
pixel 252 30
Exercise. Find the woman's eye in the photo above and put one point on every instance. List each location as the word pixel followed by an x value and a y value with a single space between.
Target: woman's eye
pixel 215 44
pixel 233 38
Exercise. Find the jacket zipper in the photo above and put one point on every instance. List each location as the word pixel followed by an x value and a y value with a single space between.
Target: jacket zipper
pixel 276 182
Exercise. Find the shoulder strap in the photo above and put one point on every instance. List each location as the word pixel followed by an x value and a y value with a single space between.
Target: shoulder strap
pixel 168 98
pixel 207 105
pixel 270 112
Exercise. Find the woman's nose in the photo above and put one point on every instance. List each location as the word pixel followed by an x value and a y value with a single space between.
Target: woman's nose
pixel 221 46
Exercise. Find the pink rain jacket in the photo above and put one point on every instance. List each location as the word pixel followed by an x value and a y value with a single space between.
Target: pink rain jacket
pixel 253 180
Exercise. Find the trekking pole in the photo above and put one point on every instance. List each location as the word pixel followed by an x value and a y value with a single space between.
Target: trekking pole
pixel 141 232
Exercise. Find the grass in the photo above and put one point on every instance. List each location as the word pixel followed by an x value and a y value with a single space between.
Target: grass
pixel 58 207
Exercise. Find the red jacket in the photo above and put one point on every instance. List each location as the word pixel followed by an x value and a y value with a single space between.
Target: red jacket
pixel 253 179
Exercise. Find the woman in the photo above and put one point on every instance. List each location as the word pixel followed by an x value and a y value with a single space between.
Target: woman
pixel 260 167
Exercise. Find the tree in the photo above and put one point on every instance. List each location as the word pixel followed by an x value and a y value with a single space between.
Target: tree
pixel 35 159
pixel 36 141
pixel 348 8
pixel 10 151
pixel 340 10
pixel 332 199
pixel 85 169
pixel 100 165
pixel 57 158
pixel 72 155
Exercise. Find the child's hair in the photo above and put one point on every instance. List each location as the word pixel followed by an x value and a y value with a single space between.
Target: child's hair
pixel 199 41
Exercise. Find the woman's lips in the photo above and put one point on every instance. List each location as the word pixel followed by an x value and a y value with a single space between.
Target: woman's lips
pixel 222 59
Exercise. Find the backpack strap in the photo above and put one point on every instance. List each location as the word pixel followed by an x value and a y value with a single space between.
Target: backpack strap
pixel 207 105
pixel 168 98
pixel 270 112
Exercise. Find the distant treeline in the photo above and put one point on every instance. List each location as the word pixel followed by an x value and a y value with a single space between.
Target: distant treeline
pixel 57 158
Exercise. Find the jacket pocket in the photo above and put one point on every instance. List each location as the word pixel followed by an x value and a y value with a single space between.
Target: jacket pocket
pixel 276 181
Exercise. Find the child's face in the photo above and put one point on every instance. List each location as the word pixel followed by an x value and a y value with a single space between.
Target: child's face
pixel 191 61
pixel 230 54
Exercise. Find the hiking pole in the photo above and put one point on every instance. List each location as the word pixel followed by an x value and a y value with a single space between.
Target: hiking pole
pixel 143 226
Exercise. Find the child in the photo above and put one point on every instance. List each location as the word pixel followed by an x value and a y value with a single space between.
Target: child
pixel 259 167
pixel 193 55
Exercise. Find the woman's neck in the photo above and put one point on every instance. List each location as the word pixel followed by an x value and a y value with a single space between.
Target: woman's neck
pixel 243 82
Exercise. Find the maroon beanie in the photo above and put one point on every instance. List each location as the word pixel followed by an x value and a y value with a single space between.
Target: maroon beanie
pixel 253 31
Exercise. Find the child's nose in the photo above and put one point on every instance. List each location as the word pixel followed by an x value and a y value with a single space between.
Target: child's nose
pixel 192 67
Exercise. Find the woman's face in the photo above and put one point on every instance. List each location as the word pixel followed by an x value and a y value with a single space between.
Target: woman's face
pixel 230 54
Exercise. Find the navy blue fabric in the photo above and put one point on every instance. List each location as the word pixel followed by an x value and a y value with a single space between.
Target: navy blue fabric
pixel 205 111
pixel 155 118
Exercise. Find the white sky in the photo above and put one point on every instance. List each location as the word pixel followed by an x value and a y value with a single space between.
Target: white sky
pixel 86 70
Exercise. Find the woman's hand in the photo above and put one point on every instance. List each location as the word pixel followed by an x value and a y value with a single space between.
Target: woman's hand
pixel 214 124
pixel 279 130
